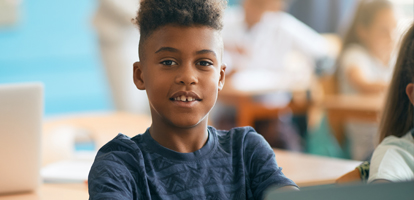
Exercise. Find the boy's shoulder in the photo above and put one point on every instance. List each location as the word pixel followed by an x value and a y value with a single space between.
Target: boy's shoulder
pixel 120 143
pixel 246 136
pixel 239 132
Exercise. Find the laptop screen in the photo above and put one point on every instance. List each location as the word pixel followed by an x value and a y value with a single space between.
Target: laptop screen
pixel 378 191
pixel 21 112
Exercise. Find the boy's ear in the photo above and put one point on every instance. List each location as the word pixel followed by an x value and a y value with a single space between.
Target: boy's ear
pixel 409 90
pixel 222 76
pixel 138 80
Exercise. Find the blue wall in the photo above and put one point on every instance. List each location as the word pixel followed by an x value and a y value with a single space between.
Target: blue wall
pixel 54 43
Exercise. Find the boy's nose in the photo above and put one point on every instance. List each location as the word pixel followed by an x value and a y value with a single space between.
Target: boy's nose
pixel 187 75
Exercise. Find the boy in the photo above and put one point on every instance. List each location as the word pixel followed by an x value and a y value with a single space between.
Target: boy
pixel 179 156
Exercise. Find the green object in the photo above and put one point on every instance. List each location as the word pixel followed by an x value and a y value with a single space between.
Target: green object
pixel 320 141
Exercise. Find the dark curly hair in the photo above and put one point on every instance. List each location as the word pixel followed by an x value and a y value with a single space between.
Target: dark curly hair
pixel 154 14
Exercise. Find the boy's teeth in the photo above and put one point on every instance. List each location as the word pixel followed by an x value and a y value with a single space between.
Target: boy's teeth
pixel 184 98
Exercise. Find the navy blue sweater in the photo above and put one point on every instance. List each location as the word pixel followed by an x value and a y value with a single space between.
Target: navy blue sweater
pixel 236 164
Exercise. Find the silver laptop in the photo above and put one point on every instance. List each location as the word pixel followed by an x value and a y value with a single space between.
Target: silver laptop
pixel 21 113
pixel 360 191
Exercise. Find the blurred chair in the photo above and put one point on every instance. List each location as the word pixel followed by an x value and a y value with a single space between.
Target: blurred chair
pixel 328 80
pixel 325 83
pixel 342 108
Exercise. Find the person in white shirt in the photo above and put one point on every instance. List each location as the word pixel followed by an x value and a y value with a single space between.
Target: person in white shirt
pixel 393 159
pixel 365 65
pixel 118 37
pixel 259 35
pixel 274 50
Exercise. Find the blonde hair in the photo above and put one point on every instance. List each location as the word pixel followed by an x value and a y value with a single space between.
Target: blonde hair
pixel 398 116
pixel 364 16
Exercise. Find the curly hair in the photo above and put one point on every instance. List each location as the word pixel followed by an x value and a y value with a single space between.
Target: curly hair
pixel 154 14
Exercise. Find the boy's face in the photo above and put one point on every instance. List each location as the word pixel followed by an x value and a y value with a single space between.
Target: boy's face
pixel 182 73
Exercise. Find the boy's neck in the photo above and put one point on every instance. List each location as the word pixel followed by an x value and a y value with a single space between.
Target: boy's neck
pixel 183 140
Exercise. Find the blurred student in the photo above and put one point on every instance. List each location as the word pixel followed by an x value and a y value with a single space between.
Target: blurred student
pixel 261 40
pixel 365 65
pixel 260 35
pixel 393 159
pixel 117 39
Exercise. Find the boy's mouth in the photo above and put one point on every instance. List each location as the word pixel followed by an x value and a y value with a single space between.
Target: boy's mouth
pixel 185 96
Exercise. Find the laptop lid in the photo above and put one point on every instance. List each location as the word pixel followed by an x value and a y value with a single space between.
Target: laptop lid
pixel 361 191
pixel 21 112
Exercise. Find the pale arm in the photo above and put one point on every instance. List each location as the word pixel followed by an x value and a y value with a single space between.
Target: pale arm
pixel 356 78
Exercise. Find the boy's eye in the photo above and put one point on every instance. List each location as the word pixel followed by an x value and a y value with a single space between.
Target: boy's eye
pixel 204 63
pixel 168 62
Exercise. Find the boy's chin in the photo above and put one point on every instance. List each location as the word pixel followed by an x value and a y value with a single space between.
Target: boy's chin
pixel 190 123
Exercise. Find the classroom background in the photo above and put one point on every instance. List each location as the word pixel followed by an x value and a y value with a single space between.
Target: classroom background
pixel 83 50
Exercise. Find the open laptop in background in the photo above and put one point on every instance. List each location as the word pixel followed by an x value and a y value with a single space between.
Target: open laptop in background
pixel 21 113
pixel 360 191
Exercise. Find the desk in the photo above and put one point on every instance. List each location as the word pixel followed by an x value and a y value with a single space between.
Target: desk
pixel 307 170
pixel 58 191
pixel 102 126
pixel 248 110
pixel 303 169
pixel 343 108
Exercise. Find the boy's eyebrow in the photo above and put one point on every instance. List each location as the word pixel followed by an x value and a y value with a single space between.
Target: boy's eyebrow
pixel 170 49
pixel 167 49
pixel 206 51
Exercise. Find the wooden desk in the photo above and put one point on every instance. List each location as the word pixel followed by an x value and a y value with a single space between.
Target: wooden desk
pixel 303 169
pixel 343 108
pixel 307 170
pixel 249 110
pixel 102 126
pixel 57 191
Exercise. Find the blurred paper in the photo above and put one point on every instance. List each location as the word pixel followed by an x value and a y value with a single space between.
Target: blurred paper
pixel 268 80
pixel 74 170
pixel 257 80
pixel 274 100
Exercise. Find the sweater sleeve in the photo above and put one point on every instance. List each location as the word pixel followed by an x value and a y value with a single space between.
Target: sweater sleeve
pixel 114 174
pixel 391 163
pixel 109 178
pixel 262 166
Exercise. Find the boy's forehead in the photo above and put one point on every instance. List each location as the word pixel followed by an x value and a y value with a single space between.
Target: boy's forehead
pixel 184 38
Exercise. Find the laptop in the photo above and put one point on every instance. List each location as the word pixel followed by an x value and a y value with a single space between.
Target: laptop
pixel 21 113
pixel 360 191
